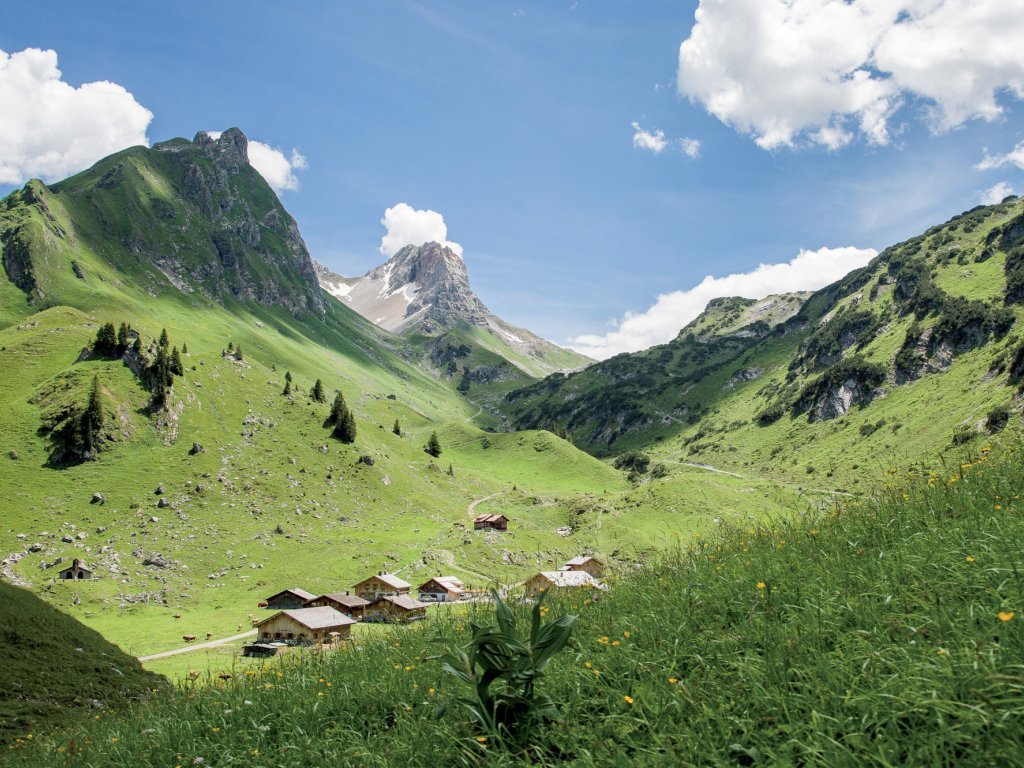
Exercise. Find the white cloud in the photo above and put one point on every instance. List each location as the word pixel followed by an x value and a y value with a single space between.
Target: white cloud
pixel 809 270
pixel 409 226
pixel 1014 157
pixel 51 129
pixel 828 70
pixel 654 142
pixel 276 168
pixel 690 147
pixel 996 193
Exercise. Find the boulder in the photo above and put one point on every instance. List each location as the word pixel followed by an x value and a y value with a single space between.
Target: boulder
pixel 196 448
pixel 97 498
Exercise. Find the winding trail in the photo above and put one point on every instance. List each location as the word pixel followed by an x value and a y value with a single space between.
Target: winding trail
pixel 706 467
pixel 471 509
pixel 198 647
pixel 470 418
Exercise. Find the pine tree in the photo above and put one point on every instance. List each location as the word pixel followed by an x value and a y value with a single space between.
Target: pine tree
pixel 433 446
pixel 106 341
pixel 137 345
pixel 164 340
pixel 92 419
pixel 231 346
pixel 397 429
pixel 346 429
pixel 338 410
pixel 451 470
pixel 175 363
pixel 184 348
pixel 122 338
pixel 318 392
pixel 238 353
pixel 287 383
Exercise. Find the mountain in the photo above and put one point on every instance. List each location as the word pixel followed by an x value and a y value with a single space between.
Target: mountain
pixel 919 350
pixel 423 292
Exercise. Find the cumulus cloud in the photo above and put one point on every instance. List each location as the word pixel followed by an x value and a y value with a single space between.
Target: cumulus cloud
pixel 807 271
pixel 1014 157
pixel 51 129
pixel 827 71
pixel 996 193
pixel 406 225
pixel 654 142
pixel 690 147
pixel 277 168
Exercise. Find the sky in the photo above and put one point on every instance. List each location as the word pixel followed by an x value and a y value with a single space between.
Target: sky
pixel 604 168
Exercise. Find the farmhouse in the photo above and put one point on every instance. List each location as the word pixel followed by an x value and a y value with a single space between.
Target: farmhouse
pixel 382 585
pixel 289 598
pixel 558 580
pixel 490 523
pixel 587 564
pixel 343 602
pixel 305 626
pixel 395 610
pixel 441 589
pixel 75 571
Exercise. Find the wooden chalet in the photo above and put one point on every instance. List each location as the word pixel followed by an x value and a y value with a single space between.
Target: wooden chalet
pixel 395 610
pixel 381 585
pixel 442 589
pixel 559 580
pixel 74 572
pixel 490 523
pixel 588 564
pixel 289 599
pixel 343 602
pixel 305 626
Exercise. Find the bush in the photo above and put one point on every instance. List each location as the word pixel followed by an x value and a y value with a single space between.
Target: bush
pixel 633 462
pixel 997 418
pixel 964 434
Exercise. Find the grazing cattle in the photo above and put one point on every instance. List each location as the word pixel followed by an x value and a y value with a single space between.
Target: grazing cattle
pixel 262 604
pixel 209 635
pixel 188 638
pixel 177 615
pixel 224 676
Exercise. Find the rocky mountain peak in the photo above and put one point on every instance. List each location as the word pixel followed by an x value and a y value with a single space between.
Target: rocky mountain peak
pixel 230 150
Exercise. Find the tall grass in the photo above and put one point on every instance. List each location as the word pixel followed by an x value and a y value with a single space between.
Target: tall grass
pixel 887 632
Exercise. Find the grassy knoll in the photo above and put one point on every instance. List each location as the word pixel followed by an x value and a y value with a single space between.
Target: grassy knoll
pixel 888 631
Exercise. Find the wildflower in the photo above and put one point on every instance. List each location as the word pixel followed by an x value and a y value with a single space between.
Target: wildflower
pixel 247 703
pixel 999 506
pixel 628 699
pixel 430 691
pixel 616 642
pixel 673 680
pixel 482 739
pixel 761 585
pixel 969 558
pixel 941 651
pixel 626 633
pixel 113 739
pixel 587 664
pixel 1006 615
pixel 263 728
pixel 215 730
pixel 603 640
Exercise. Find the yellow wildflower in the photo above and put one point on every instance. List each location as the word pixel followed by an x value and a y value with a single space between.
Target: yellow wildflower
pixel 628 699
pixel 1006 615
pixel 761 585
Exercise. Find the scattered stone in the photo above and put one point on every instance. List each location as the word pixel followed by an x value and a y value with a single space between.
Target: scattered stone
pixel 156 561
pixel 386 480
pixel 154 519
pixel 323 449
pixel 98 498
pixel 37 547
pixel 367 460
pixel 13 455
pixel 67 538
pixel 101 529
pixel 160 490
pixel 80 536
pixel 196 448
pixel 163 503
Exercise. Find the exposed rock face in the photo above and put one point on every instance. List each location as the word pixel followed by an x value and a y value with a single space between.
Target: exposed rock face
pixel 742 376
pixel 837 402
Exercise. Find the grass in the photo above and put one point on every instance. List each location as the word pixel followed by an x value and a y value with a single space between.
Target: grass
pixel 888 631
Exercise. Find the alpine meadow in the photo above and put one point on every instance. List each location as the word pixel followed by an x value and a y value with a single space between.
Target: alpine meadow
pixel 277 495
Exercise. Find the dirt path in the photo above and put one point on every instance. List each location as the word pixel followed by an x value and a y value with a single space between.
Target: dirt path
pixel 469 419
pixel 471 509
pixel 707 467
pixel 449 560
pixel 198 647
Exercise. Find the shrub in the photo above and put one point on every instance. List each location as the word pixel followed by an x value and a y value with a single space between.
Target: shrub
pixel 997 418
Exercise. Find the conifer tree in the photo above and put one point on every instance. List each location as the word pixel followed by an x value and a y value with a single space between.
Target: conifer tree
pixel 287 383
pixel 184 348
pixel 175 363
pixel 164 340
pixel 451 470
pixel 137 345
pixel 318 392
pixel 106 341
pixel 231 346
pixel 338 410
pixel 397 429
pixel 92 419
pixel 433 446
pixel 346 429
pixel 122 338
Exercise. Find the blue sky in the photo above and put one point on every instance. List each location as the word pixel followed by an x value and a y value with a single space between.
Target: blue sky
pixel 515 121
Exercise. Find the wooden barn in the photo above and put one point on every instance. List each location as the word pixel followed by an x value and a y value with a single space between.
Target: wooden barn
pixel 305 626
pixel 395 610
pixel 559 580
pixel 75 571
pixel 490 523
pixel 343 602
pixel 588 564
pixel 381 585
pixel 441 589
pixel 289 599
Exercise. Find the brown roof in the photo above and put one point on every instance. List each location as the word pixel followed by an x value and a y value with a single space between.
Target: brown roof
pixel 402 601
pixel 300 593
pixel 489 518
pixel 389 579
pixel 314 618
pixel 349 601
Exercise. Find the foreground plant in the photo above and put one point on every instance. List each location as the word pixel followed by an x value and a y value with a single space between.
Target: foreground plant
pixel 503 668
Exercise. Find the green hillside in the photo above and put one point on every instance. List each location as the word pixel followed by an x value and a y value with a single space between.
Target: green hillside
pixel 55 671
pixel 883 632
pixel 886 365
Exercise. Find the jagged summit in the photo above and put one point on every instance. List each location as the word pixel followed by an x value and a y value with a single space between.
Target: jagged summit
pixel 425 289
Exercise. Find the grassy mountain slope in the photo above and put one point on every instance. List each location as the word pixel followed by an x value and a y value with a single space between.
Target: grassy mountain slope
pixel 53 666
pixel 883 366
pixel 885 632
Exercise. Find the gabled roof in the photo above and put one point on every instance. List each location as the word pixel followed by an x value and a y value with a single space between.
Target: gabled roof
pixel 349 601
pixel 583 560
pixel 390 579
pixel 450 579
pixel 401 601
pixel 489 518
pixel 300 593
pixel 314 618
pixel 569 578
pixel 452 585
